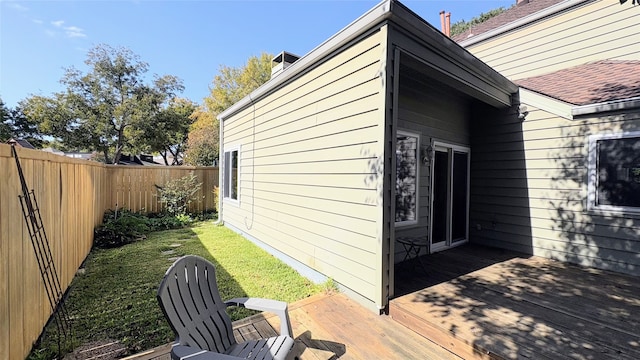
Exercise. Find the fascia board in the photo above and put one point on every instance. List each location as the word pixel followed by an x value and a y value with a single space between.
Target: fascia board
pixel 616 105
pixel 375 16
pixel 546 103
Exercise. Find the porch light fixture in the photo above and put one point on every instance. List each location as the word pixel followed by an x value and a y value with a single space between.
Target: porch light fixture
pixel 522 112
pixel 427 154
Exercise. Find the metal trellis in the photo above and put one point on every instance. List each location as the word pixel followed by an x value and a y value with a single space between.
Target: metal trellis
pixel 43 254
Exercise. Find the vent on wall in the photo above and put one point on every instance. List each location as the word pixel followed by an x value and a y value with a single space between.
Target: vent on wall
pixel 281 62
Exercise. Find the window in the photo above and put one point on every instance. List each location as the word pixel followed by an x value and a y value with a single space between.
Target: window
pixel 231 173
pixel 407 163
pixel 614 172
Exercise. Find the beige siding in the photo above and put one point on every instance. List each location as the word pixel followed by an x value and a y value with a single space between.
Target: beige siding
pixel 437 113
pixel 529 191
pixel 594 31
pixel 309 173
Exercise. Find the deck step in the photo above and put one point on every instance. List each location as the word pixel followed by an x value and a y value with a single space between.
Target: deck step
pixel 442 337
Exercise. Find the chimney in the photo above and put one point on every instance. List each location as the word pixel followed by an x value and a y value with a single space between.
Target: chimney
pixel 445 22
pixel 521 2
pixel 448 24
pixel 281 62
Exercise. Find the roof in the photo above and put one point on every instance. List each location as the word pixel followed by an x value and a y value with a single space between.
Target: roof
pixel 21 142
pixel 517 15
pixel 386 10
pixel 596 82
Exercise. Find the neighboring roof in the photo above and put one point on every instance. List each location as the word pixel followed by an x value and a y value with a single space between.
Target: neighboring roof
pixel 517 15
pixel 53 151
pixel 21 142
pixel 387 10
pixel 592 83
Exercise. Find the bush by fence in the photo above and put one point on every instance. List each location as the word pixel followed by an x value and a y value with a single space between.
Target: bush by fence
pixel 73 196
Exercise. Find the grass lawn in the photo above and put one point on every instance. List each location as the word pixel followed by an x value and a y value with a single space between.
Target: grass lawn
pixel 115 297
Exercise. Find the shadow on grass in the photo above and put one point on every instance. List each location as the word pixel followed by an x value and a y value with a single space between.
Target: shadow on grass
pixel 113 296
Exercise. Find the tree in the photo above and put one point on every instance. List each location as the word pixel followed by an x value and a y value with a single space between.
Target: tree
pixel 105 108
pixel 202 145
pixel 5 127
pixel 461 26
pixel 167 133
pixel 234 83
pixel 15 124
pixel 229 86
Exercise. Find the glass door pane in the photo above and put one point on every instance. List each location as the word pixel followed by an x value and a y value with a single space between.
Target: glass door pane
pixel 459 196
pixel 440 197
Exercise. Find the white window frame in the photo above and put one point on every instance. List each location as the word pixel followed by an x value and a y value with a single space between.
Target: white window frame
pixel 227 175
pixel 418 164
pixel 592 174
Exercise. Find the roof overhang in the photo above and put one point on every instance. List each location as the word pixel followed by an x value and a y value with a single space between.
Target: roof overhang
pixel 570 111
pixel 452 61
pixel 387 10
pixel 609 106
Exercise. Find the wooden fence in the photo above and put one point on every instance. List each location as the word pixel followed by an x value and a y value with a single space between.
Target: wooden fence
pixel 72 196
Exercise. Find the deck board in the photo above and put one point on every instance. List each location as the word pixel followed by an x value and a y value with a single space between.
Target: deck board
pixel 330 326
pixel 487 303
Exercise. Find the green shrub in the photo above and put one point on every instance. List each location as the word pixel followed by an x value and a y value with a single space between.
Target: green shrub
pixel 119 228
pixel 177 194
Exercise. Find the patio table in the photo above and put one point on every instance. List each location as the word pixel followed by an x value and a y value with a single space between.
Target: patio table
pixel 413 246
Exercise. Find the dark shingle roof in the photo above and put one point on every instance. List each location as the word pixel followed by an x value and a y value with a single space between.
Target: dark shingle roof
pixel 512 14
pixel 22 143
pixel 591 83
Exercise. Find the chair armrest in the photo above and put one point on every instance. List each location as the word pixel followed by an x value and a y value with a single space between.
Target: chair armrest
pixel 183 352
pixel 279 308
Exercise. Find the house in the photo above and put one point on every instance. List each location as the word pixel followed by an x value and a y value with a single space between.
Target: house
pixel 21 143
pixel 390 130
pixel 565 182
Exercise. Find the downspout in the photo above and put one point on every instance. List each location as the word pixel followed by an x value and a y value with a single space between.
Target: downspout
pixel 220 171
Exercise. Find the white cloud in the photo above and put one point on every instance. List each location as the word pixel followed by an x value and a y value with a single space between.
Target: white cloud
pixel 57 23
pixel 37 21
pixel 50 33
pixel 74 32
pixel 16 6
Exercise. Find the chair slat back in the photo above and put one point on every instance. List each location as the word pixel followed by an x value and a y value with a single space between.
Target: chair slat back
pixel 189 298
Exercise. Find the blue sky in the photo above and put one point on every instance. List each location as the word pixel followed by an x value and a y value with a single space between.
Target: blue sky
pixel 189 39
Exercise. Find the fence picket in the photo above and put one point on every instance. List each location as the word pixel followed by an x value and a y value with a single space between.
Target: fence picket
pixel 72 195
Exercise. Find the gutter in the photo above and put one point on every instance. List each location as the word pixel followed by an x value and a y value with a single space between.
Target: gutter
pixel 608 106
pixel 387 10
pixel 551 10
pixel 378 14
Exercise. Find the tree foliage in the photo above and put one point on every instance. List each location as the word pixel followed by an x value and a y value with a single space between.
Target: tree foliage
pixel 14 124
pixel 202 144
pixel 167 133
pixel 228 87
pixel 105 108
pixel 461 26
pixel 234 83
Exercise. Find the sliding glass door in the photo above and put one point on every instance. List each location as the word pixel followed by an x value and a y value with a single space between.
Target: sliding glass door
pixel 449 196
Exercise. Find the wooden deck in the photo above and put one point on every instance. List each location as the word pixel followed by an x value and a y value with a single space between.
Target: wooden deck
pixel 333 326
pixel 483 303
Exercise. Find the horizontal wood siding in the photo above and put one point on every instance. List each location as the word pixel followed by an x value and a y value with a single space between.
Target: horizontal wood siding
pixel 593 31
pixel 529 185
pixel 310 168
pixel 437 113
